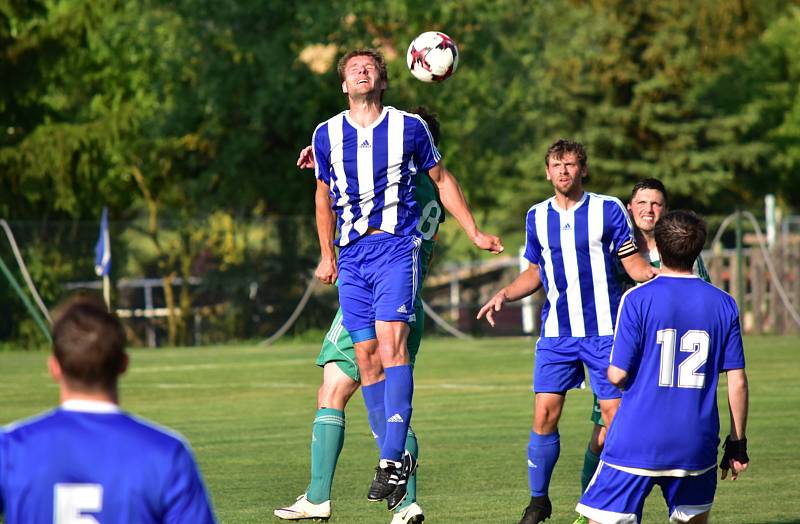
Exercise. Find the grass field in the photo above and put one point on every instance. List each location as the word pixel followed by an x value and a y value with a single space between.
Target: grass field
pixel 248 413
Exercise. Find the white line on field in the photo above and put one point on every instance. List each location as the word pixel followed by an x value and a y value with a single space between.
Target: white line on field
pixel 479 387
pixel 301 385
pixel 228 385
pixel 194 367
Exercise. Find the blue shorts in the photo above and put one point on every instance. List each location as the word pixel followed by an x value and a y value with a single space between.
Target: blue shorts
pixel 617 497
pixel 378 279
pixel 559 364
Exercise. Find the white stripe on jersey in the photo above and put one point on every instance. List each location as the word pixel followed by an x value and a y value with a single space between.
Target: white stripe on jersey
pixel 597 259
pixel 540 217
pixel 393 174
pixel 415 269
pixel 337 156
pixel 569 256
pixel 366 180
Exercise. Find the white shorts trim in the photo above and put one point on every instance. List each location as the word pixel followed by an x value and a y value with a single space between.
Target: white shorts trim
pixel 662 472
pixel 606 517
pixel 683 514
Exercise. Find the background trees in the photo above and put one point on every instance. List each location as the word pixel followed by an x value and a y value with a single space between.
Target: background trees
pixel 185 117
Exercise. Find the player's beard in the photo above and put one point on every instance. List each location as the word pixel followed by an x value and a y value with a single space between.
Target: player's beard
pixel 568 189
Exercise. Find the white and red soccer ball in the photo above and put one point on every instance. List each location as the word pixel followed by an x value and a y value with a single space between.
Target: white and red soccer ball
pixel 432 57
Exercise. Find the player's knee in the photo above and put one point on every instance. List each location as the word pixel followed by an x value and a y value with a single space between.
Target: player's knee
pixel 598 439
pixel 547 413
pixel 393 354
pixel 546 420
pixel 336 395
pixel 608 408
pixel 370 367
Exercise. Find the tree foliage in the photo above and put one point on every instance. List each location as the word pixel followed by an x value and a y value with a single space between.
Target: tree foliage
pixel 191 113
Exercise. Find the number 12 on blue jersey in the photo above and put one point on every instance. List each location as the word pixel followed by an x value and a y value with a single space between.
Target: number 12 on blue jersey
pixel 695 342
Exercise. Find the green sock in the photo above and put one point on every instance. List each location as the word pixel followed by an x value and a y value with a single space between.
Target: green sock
pixel 590 461
pixel 411 491
pixel 327 439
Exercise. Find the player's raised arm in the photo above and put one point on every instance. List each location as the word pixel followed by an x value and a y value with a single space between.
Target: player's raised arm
pixel 326 228
pixel 735 456
pixel 527 283
pixel 454 201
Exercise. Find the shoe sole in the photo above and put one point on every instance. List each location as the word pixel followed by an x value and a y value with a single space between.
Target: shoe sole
pixel 315 519
pixel 295 518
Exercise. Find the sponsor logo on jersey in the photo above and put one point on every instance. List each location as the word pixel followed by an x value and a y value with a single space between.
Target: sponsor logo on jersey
pixel 365 144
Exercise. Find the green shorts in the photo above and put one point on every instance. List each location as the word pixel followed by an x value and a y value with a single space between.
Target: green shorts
pixel 597 415
pixel 338 346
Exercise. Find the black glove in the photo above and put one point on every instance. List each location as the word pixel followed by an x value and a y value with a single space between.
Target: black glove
pixel 734 449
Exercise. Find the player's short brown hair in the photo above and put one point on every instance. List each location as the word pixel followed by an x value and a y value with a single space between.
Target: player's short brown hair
pixel 563 146
pixel 651 183
pixel 88 342
pixel 376 56
pixel 680 237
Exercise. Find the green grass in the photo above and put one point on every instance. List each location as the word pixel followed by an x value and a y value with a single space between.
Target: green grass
pixel 248 413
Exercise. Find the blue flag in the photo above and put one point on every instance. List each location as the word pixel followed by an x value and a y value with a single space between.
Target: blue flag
pixel 102 250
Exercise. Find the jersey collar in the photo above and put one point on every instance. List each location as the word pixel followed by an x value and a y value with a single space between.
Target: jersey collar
pixel 372 125
pixel 90 406
pixel 579 203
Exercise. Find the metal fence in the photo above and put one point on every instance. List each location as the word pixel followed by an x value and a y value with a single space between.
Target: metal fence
pixel 217 279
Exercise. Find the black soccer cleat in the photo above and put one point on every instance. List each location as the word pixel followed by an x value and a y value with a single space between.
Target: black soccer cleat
pixel 387 475
pixel 399 493
pixel 537 511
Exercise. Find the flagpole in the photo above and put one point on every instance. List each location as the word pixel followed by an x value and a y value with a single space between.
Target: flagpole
pixel 107 291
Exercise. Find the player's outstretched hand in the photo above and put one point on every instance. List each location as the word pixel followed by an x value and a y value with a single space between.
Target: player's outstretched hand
pixel 488 242
pixel 326 271
pixel 495 304
pixel 734 458
pixel 306 158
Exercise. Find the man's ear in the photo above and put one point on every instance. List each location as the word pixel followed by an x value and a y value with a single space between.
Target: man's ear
pixel 54 368
pixel 344 87
pixel 123 366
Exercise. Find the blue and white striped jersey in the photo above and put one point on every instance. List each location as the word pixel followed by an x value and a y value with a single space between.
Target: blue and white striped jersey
pixel 370 171
pixel 574 250
pixel 89 462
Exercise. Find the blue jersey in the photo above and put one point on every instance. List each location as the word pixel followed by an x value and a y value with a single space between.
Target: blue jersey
pixel 88 462
pixel 675 335
pixel 575 251
pixel 370 171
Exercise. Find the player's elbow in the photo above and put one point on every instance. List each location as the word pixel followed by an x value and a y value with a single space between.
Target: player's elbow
pixel 737 381
pixel 617 376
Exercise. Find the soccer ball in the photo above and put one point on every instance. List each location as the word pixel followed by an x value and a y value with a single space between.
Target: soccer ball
pixel 432 57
